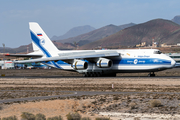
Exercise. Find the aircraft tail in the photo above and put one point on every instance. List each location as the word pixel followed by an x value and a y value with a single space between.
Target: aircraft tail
pixel 35 47
pixel 41 41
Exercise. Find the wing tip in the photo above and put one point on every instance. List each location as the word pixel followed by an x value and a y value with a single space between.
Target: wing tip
pixel 7 54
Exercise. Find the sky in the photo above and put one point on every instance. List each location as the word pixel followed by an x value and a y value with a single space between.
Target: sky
pixel 56 17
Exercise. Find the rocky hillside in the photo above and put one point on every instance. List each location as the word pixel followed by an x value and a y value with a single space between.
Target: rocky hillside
pixel 23 48
pixel 163 31
pixel 96 34
pixel 74 32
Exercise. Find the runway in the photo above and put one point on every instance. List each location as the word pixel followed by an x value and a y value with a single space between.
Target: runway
pixel 56 73
pixel 133 77
pixel 78 93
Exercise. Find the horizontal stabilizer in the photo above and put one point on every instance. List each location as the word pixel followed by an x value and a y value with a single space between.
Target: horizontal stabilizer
pixel 23 55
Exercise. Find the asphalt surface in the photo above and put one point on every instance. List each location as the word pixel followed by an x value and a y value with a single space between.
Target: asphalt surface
pixel 54 73
pixel 34 77
pixel 76 93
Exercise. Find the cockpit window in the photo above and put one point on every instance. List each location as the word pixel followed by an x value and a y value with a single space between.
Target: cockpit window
pixel 157 52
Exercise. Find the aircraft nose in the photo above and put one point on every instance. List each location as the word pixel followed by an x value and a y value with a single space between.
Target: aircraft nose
pixel 173 62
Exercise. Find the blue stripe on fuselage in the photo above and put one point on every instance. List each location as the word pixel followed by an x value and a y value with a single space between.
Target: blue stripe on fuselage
pixel 138 61
pixel 130 61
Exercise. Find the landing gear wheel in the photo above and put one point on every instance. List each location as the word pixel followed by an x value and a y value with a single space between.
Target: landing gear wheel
pixel 85 75
pixel 151 75
pixel 98 74
pixel 95 74
pixel 91 74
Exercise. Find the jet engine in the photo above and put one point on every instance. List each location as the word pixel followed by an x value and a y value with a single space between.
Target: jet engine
pixel 79 65
pixel 104 63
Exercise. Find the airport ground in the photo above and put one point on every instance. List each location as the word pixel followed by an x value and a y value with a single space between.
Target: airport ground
pixel 127 95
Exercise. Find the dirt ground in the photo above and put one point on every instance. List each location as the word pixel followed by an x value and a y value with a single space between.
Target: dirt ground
pixel 166 90
pixel 48 108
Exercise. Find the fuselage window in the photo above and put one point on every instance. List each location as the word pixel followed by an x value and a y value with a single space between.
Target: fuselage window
pixel 157 52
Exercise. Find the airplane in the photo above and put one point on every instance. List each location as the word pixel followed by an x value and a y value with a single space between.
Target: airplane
pixel 94 63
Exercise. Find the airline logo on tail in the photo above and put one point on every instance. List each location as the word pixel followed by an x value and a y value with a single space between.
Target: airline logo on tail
pixel 42 42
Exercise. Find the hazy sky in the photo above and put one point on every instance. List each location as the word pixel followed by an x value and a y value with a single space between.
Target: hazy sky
pixel 56 17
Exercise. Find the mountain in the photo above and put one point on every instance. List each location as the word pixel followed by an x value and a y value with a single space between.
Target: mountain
pixel 126 26
pixel 96 34
pixel 74 32
pixel 111 36
pixel 23 48
pixel 64 46
pixel 7 50
pixel 176 19
pixel 163 31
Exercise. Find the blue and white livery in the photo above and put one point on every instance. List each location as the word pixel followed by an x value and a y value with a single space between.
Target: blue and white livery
pixel 95 62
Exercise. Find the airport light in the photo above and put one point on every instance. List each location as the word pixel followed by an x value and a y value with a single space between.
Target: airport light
pixel 3 47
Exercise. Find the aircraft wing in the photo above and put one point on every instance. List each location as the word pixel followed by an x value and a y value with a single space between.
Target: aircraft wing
pixel 23 55
pixel 74 55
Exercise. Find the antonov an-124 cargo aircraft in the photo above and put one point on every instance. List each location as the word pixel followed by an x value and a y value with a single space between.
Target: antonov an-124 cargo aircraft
pixel 94 63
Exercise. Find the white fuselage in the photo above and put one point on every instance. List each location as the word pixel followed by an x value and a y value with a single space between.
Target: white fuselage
pixel 134 60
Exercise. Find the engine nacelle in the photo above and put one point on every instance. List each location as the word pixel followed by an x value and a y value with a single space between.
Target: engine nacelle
pixel 104 63
pixel 79 65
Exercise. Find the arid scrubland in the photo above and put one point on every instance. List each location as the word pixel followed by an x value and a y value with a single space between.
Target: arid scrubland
pixel 145 95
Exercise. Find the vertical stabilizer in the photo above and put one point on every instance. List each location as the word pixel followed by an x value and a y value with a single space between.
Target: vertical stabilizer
pixel 35 47
pixel 41 41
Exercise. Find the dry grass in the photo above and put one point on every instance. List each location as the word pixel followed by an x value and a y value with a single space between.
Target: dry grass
pixel 102 118
pixel 73 116
pixel 132 105
pixel 10 118
pixel 155 103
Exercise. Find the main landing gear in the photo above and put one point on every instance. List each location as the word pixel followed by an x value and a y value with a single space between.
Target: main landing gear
pixel 92 74
pixel 151 74
pixel 98 74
